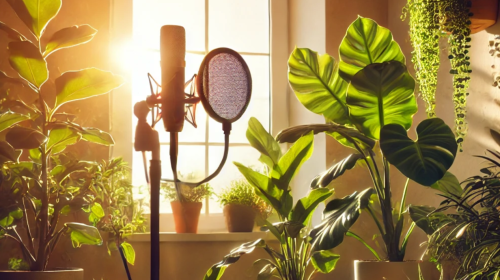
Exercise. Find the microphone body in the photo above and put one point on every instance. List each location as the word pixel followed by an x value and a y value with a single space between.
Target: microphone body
pixel 172 51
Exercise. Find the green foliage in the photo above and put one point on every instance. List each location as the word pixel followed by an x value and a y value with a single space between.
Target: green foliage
pixel 379 104
pixel 292 259
pixel 429 21
pixel 52 182
pixel 18 264
pixel 324 261
pixel 189 193
pixel 240 192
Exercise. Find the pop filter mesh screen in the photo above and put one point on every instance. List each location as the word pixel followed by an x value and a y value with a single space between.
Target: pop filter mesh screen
pixel 226 85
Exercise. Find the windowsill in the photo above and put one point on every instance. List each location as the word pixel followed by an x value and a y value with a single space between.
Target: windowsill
pixel 203 237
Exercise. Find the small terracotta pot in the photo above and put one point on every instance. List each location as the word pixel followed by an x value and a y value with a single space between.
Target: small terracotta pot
pixel 62 274
pixel 485 14
pixel 186 216
pixel 377 270
pixel 239 218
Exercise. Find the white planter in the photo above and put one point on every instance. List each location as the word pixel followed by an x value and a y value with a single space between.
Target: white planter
pixel 407 270
pixel 63 274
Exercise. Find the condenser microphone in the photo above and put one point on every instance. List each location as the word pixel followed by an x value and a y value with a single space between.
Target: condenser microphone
pixel 172 51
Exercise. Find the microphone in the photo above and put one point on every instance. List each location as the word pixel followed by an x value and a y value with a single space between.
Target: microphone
pixel 172 51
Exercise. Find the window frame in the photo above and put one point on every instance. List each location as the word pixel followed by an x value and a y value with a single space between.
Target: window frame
pixel 121 99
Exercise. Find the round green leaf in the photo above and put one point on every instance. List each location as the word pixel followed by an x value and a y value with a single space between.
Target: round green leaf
pixel 324 261
pixel 8 119
pixel 381 94
pixel 317 85
pixel 365 43
pixel 83 84
pixel 128 252
pixel 69 37
pixel 26 59
pixel 426 160
pixel 36 14
pixel 60 138
pixel 82 234
pixel 24 138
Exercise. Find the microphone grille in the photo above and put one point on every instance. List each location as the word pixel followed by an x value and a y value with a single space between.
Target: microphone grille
pixel 173 44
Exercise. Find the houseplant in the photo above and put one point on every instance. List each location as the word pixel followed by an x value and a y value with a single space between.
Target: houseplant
pixel 292 260
pixel 240 206
pixel 368 101
pixel 468 236
pixel 455 19
pixel 37 192
pixel 186 210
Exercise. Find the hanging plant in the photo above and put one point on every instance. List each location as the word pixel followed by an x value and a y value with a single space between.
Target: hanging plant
pixel 429 21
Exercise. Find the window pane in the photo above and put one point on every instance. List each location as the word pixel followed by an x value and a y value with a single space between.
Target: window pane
pixel 151 15
pixel 239 25
pixel 245 155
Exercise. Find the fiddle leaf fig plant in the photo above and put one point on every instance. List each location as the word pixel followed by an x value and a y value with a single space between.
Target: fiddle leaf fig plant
pixel 35 193
pixel 379 104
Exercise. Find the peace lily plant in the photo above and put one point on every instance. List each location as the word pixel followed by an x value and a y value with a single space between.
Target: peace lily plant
pixel 35 193
pixel 368 101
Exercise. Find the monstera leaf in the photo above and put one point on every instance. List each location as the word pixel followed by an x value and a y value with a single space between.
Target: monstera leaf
pixel 36 14
pixel 264 142
pixel 325 178
pixel 317 84
pixel 426 160
pixel 381 94
pixel 26 59
pixel 366 43
pixel 338 216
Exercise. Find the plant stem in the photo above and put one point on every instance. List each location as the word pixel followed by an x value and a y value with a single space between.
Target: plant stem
pixel 403 198
pixel 376 220
pixel 43 218
pixel 357 237
pixel 389 238
pixel 28 228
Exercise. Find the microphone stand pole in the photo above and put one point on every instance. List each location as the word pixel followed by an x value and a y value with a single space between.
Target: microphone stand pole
pixel 155 178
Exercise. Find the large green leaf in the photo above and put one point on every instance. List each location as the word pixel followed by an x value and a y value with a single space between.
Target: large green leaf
pixel 324 261
pixel 69 37
pixel 97 136
pixel 264 142
pixel 8 153
pixel 82 234
pixel 24 138
pixel 426 220
pixel 303 210
pixel 381 94
pixel 339 215
pixel 317 85
pixel 27 60
pixel 426 160
pixel 36 14
pixel 60 138
pixel 325 178
pixel 448 185
pixel 83 84
pixel 12 33
pixel 366 43
pixel 292 160
pixel 8 119
pixel 128 252
pixel 217 270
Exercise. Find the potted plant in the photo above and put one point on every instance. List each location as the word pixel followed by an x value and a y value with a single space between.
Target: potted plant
pixel 36 192
pixel 294 256
pixel 241 205
pixel 465 242
pixel 368 101
pixel 455 19
pixel 186 209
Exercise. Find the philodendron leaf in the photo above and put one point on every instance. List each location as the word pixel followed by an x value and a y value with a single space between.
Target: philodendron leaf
pixel 426 160
pixel 36 14
pixel 60 138
pixel 366 43
pixel 12 33
pixel 69 37
pixel 338 217
pixel 8 153
pixel 428 222
pixel 381 94
pixel 317 84
pixel 24 138
pixel 217 270
pixel 325 178
pixel 8 119
pixel 324 261
pixel 82 234
pixel 27 60
pixel 264 142
pixel 448 185
pixel 128 252
pixel 83 84
pixel 305 207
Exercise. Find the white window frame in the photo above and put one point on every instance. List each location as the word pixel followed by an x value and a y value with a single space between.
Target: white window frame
pixel 121 99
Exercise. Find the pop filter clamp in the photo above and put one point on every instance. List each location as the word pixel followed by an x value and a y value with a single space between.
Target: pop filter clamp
pixel 224 86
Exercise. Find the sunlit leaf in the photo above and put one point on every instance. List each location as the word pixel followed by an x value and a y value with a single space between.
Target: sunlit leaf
pixel 8 119
pixel 128 252
pixel 60 138
pixel 24 138
pixel 304 208
pixel 324 260
pixel 36 14
pixel 325 178
pixel 264 142
pixel 11 217
pixel 69 37
pixel 26 59
pixel 82 234
pixel 97 136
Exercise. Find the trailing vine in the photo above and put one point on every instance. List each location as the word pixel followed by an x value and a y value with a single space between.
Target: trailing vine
pixel 429 21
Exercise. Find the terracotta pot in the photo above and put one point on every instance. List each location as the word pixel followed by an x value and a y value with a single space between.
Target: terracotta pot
pixel 239 218
pixel 376 270
pixel 485 14
pixel 186 216
pixel 62 274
